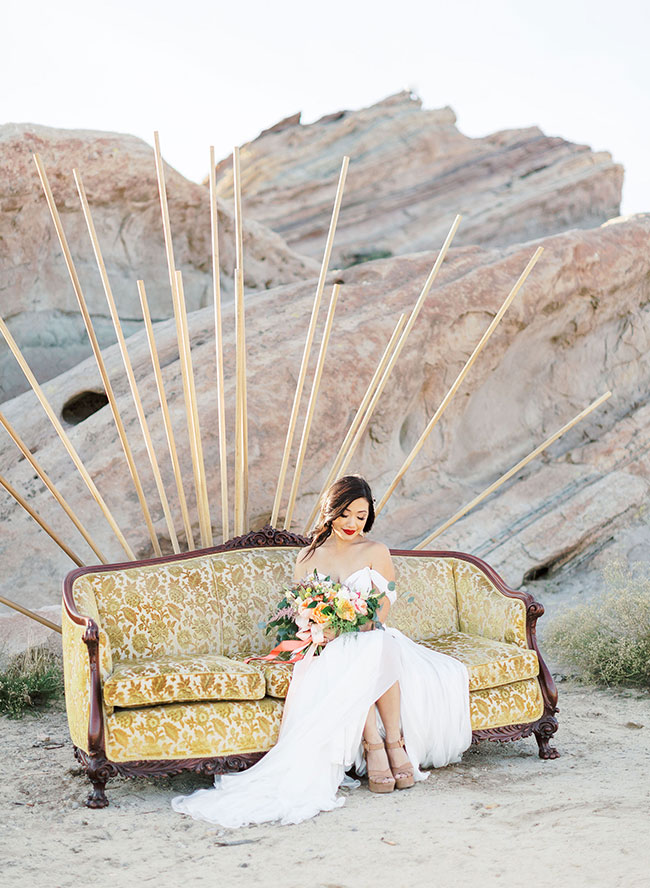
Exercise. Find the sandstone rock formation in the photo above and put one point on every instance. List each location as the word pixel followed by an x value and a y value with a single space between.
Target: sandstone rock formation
pixel 411 171
pixel 37 299
pixel 580 325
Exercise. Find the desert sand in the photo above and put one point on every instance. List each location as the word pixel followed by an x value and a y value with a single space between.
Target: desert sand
pixel 501 815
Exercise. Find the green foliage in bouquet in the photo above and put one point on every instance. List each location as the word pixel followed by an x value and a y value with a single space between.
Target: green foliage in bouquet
pixel 322 602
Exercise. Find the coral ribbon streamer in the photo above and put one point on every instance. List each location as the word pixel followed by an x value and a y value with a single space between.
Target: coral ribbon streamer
pixel 295 646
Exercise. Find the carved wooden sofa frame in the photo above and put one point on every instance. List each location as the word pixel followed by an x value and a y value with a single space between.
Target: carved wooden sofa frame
pixel 99 769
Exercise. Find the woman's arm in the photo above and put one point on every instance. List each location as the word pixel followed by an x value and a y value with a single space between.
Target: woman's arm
pixel 382 562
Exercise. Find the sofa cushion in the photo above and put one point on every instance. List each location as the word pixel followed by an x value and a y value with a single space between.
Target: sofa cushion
pixel 489 663
pixel 426 602
pixel 250 584
pixel 518 703
pixel 193 730
pixel 157 609
pixel 483 610
pixel 175 679
pixel 278 677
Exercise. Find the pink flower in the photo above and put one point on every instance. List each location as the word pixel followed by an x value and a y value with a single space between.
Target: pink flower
pixel 360 606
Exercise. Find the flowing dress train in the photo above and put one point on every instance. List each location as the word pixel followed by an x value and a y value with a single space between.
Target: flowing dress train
pixel 325 712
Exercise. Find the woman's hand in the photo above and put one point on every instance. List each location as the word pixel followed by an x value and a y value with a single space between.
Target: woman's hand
pixel 329 635
pixel 367 627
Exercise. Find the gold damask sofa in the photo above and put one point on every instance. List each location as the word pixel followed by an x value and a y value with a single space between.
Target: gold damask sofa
pixel 155 678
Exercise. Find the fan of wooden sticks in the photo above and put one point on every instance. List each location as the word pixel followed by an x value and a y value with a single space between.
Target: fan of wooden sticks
pixel 240 506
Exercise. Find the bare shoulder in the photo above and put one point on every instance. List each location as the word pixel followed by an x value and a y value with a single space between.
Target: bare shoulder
pixel 378 549
pixel 380 559
pixel 302 565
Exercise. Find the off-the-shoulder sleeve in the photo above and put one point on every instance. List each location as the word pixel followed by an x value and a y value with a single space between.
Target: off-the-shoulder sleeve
pixel 382 584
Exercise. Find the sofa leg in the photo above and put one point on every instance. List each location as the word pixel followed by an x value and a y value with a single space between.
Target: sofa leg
pixel 98 772
pixel 544 730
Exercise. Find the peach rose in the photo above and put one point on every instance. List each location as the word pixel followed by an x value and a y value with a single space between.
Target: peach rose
pixel 317 613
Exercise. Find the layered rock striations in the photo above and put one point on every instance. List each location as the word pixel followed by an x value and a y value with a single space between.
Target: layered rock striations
pixel 580 325
pixel 36 296
pixel 411 170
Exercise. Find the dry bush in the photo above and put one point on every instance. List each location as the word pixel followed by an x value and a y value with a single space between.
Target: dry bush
pixel 608 638
pixel 30 679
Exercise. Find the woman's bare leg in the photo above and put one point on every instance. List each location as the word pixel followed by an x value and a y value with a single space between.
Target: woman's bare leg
pixel 376 759
pixel 389 710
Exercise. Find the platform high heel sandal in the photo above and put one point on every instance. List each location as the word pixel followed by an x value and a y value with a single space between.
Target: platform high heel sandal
pixel 378 781
pixel 403 774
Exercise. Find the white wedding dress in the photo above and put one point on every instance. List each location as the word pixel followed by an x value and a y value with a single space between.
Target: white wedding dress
pixel 325 712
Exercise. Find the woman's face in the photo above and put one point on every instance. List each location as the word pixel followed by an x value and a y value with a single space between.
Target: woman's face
pixel 349 525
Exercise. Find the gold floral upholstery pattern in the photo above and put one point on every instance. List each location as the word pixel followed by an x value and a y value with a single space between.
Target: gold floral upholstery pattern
pixel 250 584
pixel 182 678
pixel 157 609
pixel 278 678
pixel 153 618
pixel 193 730
pixel 430 582
pixel 483 610
pixel 489 663
pixel 518 703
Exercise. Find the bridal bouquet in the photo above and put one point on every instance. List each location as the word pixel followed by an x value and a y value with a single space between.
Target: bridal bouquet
pixel 317 604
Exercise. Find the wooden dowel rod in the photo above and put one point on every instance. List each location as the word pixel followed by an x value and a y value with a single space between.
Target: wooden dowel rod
pixel 239 227
pixel 205 526
pixel 58 496
pixel 74 456
pixel 400 345
pixel 520 465
pixel 311 406
pixel 459 379
pixel 240 310
pixel 164 209
pixel 218 335
pixel 240 372
pixel 99 360
pixel 354 425
pixel 167 420
pixel 308 343
pixel 32 616
pixel 126 360
pixel 183 346
pixel 37 518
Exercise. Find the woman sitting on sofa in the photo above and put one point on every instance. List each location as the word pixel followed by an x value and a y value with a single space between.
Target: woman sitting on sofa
pixel 375 699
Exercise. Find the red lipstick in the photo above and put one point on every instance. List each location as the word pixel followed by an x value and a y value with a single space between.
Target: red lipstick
pixel 349 532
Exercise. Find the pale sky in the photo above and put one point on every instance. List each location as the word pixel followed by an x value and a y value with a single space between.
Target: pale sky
pixel 217 73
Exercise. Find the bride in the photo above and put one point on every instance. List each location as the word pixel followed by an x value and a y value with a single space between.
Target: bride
pixel 375 700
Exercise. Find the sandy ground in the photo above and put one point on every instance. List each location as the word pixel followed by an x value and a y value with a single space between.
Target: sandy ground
pixel 502 815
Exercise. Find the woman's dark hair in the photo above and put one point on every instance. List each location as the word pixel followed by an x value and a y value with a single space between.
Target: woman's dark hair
pixel 333 504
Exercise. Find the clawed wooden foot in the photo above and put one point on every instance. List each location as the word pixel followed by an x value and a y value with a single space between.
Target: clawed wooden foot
pixel 543 733
pixel 97 798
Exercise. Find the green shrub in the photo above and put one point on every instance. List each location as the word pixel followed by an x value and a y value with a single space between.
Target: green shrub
pixel 608 638
pixel 30 680
pixel 365 256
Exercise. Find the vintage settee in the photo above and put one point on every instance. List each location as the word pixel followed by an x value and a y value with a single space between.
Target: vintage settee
pixel 155 678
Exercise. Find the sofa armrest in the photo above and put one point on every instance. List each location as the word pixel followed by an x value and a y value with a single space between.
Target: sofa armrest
pixel 86 662
pixel 489 608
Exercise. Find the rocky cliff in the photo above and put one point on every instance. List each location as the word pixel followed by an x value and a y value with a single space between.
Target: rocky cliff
pixel 411 171
pixel 36 296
